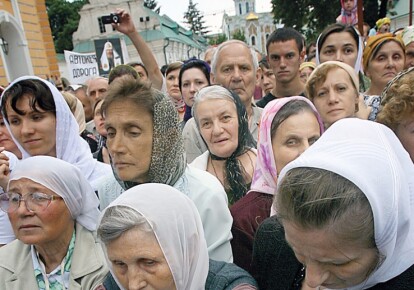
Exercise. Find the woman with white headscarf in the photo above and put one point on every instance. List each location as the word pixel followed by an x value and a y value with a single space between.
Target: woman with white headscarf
pixel 344 214
pixel 53 212
pixel 41 123
pixel 172 252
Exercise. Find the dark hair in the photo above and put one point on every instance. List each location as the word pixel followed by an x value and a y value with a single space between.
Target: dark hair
pixel 173 66
pixel 194 63
pixel 122 70
pixel 314 198
pixel 41 97
pixel 286 34
pixel 337 28
pixel 263 63
pixel 291 108
pixel 308 47
pixel 135 64
pixel 130 89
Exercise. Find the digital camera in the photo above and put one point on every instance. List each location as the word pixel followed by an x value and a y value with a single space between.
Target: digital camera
pixel 111 18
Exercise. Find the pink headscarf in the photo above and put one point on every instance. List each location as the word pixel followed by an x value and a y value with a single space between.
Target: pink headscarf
pixel 265 173
pixel 349 18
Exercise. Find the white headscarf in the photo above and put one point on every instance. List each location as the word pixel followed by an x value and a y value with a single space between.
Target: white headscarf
pixel 66 181
pixel 177 226
pixel 358 63
pixel 371 156
pixel 70 147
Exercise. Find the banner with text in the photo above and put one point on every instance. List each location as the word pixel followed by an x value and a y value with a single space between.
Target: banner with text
pixel 81 66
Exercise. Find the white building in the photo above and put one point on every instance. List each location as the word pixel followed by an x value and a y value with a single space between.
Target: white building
pixel 256 26
pixel 167 39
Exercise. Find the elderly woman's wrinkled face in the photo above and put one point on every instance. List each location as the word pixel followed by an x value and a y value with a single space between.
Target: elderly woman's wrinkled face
pixel 405 132
pixel 40 228
pixel 219 126
pixel 339 46
pixel 34 130
pixel 386 63
pixel 330 261
pixel 139 265
pixel 129 139
pixel 293 136
pixel 336 98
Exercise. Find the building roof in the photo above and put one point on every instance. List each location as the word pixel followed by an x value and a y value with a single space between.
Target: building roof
pixel 167 29
pixel 252 16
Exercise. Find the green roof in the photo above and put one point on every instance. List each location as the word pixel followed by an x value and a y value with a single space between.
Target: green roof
pixel 168 29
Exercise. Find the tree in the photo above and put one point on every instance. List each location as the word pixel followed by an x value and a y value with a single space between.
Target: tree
pixel 309 17
pixel 152 4
pixel 63 19
pixel 194 19
pixel 218 39
pixel 239 34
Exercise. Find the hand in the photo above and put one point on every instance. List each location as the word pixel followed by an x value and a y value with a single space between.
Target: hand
pixel 126 26
pixel 364 110
pixel 4 169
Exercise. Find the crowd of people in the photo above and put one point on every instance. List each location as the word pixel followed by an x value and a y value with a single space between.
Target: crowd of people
pixel 183 179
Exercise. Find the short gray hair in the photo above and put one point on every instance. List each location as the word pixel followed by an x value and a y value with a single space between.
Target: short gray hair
pixel 118 220
pixel 229 42
pixel 213 92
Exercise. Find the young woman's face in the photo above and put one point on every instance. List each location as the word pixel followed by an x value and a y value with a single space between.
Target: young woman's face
pixel 192 80
pixel 219 126
pixel 384 66
pixel 339 46
pixel 34 130
pixel 293 136
pixel 330 261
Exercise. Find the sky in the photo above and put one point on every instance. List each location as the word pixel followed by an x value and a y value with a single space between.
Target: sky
pixel 212 9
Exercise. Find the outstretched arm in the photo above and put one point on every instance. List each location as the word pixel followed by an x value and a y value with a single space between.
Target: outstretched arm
pixel 127 27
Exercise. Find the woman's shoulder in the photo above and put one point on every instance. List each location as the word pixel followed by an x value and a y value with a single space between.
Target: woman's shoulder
pixel 226 276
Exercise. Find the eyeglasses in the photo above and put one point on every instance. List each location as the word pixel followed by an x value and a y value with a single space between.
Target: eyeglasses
pixel 35 202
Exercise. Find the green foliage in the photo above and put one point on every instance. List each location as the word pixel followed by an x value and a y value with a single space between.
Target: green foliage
pixel 194 19
pixel 64 19
pixel 152 4
pixel 218 39
pixel 309 17
pixel 239 34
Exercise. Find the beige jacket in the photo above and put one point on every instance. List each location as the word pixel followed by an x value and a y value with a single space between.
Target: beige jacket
pixel 88 268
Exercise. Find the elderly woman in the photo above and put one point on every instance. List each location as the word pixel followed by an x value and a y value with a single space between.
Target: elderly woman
pixel 333 89
pixel 384 58
pixel 221 119
pixel 343 215
pixel 397 108
pixel 194 75
pixel 53 211
pixel 288 127
pixel 145 143
pixel 172 253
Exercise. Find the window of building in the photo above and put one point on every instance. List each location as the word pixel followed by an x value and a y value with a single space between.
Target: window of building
pixel 247 7
pixel 253 40
pixel 240 9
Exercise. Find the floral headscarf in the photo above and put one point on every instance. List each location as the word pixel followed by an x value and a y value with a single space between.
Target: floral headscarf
pixel 265 172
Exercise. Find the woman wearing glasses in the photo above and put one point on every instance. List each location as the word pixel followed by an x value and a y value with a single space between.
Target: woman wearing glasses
pixel 53 212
